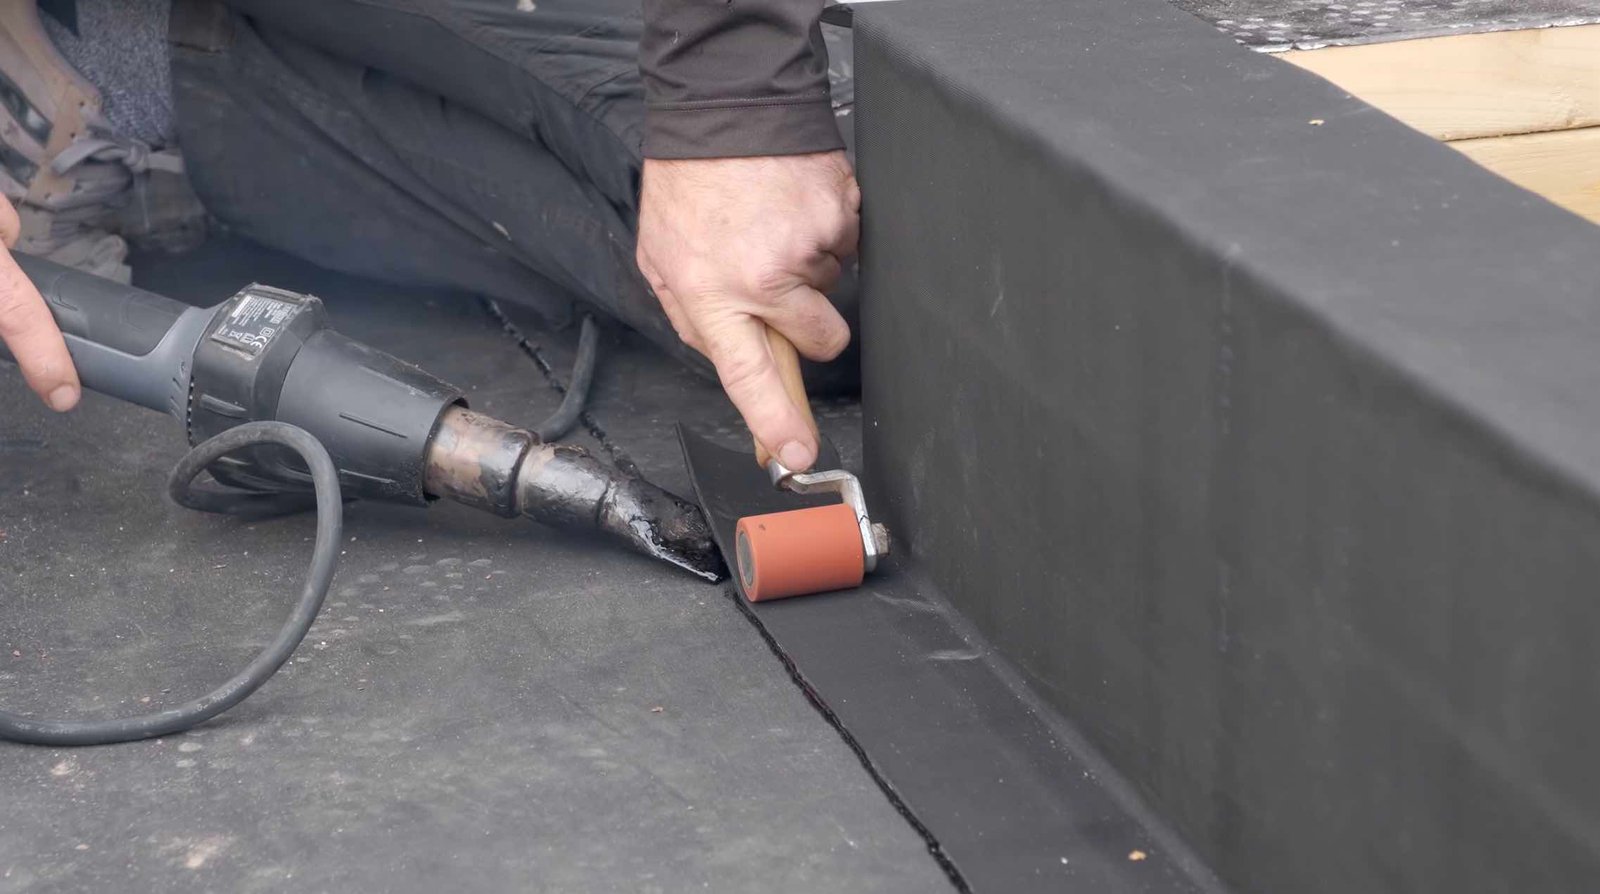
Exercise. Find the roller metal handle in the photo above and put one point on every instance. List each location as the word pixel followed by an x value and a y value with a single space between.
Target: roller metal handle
pixel 874 537
pixel 125 342
pixel 788 360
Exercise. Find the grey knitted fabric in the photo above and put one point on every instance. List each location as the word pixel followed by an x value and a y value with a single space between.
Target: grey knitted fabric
pixel 121 48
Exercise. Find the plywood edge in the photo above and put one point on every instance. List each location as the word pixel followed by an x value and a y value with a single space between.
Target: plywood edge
pixel 1473 85
pixel 1562 166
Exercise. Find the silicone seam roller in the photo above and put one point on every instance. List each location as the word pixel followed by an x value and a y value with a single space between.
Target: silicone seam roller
pixel 812 550
pixel 874 537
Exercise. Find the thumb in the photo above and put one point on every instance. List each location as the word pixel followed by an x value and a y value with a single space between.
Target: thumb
pixel 750 375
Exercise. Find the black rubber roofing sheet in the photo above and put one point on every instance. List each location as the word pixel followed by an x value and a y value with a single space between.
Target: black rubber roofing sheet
pixel 1260 430
pixel 1009 796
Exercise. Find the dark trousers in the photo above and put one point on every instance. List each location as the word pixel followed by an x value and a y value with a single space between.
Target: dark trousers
pixel 491 146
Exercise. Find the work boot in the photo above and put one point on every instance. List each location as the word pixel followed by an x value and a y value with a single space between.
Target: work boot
pixel 69 178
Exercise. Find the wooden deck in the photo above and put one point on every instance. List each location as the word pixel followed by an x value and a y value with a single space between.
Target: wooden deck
pixel 1524 104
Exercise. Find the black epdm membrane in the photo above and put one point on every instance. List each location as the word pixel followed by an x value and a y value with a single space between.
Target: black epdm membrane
pixel 1007 795
pixel 1262 431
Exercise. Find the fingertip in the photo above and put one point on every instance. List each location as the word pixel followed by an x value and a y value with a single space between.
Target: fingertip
pixel 63 398
pixel 840 340
pixel 797 457
pixel 812 324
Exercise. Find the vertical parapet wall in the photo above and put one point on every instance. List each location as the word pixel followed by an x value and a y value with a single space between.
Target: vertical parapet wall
pixel 1262 432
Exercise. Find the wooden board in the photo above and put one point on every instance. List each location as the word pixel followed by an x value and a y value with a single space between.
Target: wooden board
pixel 1524 104
pixel 1562 166
pixel 1474 85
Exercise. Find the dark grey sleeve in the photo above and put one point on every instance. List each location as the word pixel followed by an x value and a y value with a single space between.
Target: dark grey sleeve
pixel 735 77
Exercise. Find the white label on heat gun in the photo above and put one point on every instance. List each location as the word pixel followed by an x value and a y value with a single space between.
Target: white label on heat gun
pixel 254 322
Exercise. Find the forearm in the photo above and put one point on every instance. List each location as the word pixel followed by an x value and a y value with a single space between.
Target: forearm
pixel 735 79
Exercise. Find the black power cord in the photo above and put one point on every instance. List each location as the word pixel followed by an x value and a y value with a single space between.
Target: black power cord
pixel 324 560
pixel 575 395
pixel 566 416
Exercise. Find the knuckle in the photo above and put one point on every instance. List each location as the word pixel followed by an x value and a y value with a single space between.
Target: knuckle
pixel 20 313
pixel 830 268
pixel 655 282
pixel 686 333
pixel 772 280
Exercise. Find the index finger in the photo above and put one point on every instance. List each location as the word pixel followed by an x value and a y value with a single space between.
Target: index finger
pixel 31 335
pixel 750 376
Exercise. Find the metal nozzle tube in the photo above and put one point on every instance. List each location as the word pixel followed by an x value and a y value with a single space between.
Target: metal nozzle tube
pixel 483 462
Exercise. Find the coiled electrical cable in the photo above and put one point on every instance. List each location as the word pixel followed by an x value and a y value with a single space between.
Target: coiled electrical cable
pixel 324 561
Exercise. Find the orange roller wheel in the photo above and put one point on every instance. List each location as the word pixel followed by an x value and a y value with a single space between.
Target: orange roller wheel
pixel 799 552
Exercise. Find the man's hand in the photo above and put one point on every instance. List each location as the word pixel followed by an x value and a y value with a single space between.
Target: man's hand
pixel 28 329
pixel 732 246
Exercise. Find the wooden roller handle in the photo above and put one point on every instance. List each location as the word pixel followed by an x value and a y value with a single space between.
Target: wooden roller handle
pixel 788 360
